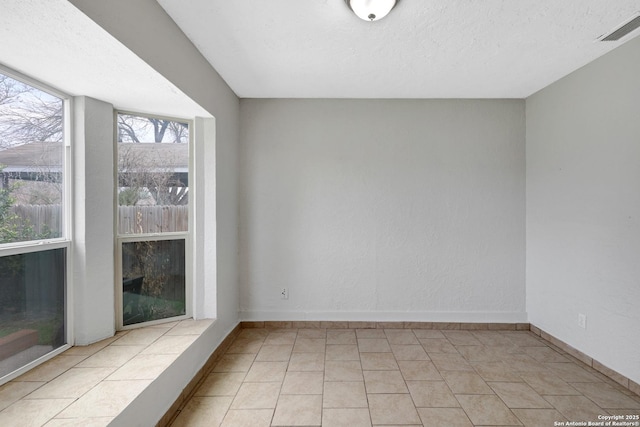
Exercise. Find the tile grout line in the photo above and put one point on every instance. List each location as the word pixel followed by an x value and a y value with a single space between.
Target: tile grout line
pixel 75 399
pixel 483 345
pixel 75 366
pixel 189 391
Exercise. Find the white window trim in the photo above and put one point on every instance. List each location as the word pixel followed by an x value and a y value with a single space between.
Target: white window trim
pixel 67 230
pixel 119 239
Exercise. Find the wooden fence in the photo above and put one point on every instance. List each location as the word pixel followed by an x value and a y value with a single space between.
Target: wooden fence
pixel 132 219
pixel 43 219
pixel 152 219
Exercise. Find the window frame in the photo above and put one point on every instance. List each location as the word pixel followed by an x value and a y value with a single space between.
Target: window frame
pixel 187 235
pixel 65 241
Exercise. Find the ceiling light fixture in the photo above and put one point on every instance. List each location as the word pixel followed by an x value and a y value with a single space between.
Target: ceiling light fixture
pixel 371 10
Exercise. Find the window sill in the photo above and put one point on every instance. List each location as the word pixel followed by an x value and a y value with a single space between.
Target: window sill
pixel 92 385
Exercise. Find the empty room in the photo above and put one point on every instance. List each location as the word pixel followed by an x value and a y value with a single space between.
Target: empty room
pixel 319 213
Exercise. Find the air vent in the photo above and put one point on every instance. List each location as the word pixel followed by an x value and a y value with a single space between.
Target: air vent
pixel 625 29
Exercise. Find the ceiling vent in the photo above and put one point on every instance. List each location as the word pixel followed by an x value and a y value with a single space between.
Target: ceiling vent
pixel 622 31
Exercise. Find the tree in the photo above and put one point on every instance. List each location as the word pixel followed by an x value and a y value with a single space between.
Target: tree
pixel 28 114
pixel 9 89
pixel 32 124
pixel 145 178
pixel 148 176
pixel 31 120
pixel 13 228
pixel 6 217
pixel 138 129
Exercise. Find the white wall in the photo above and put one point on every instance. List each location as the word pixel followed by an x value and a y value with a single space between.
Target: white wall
pixel 205 224
pixel 583 209
pixel 382 210
pixel 145 28
pixel 149 32
pixel 93 227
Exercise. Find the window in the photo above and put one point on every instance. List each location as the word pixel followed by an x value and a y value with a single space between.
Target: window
pixel 153 218
pixel 34 218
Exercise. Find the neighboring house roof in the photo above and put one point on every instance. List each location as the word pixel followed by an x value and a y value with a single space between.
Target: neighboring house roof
pixel 167 155
pixel 36 156
pixel 32 157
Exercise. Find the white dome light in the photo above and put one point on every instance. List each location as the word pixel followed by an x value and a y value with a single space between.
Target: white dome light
pixel 371 10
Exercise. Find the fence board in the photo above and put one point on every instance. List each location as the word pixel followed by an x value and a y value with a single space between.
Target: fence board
pixel 132 219
pixel 152 219
pixel 44 219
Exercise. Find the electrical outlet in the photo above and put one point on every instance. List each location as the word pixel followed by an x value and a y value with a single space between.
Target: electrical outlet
pixel 284 293
pixel 582 320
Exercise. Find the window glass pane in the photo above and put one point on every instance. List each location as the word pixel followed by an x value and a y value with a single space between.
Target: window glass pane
pixel 31 162
pixel 153 175
pixel 153 280
pixel 32 302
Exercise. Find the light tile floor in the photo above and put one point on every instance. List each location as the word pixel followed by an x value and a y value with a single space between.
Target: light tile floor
pixel 88 386
pixel 364 377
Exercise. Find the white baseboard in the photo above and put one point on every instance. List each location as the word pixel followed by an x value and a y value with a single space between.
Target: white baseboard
pixel 385 316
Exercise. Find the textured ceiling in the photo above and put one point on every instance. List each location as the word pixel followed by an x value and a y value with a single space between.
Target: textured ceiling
pixel 422 49
pixel 55 43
